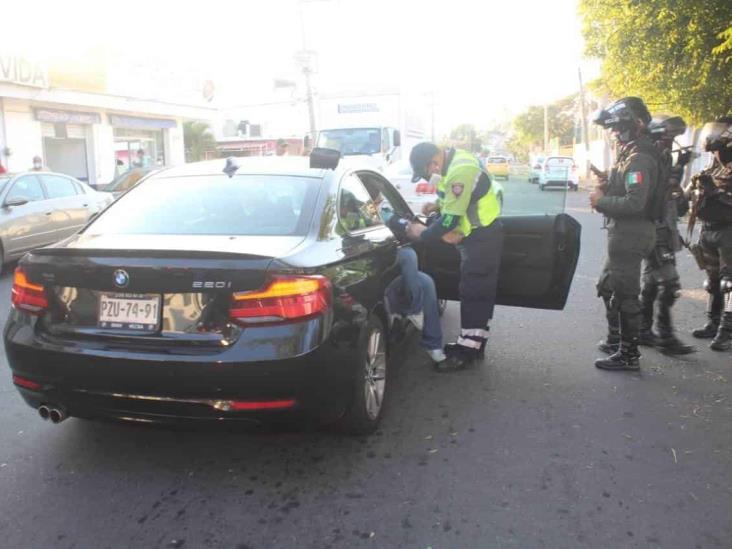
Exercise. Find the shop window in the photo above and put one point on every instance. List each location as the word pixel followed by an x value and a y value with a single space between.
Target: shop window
pixel 136 148
pixel 57 186
pixel 27 187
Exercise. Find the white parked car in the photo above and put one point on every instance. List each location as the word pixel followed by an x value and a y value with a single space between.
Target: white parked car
pixel 559 171
pixel 535 168
pixel 415 194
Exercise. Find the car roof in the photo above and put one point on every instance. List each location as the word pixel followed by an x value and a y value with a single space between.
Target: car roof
pixel 259 165
pixel 558 156
pixel 34 172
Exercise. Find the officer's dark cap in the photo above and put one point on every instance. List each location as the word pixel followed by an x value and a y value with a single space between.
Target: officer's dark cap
pixel 420 158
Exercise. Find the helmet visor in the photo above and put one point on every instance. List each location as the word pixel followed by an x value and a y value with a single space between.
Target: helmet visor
pixel 715 136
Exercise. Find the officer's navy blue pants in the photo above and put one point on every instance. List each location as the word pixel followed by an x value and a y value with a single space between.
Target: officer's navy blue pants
pixel 480 259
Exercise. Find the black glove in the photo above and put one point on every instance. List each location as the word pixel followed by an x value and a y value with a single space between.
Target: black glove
pixel 684 158
pixel 398 226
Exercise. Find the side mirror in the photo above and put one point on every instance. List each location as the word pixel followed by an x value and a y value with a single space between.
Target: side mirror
pixel 397 138
pixel 17 201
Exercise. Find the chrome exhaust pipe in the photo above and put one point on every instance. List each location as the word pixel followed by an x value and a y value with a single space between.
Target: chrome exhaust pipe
pixel 44 412
pixel 56 415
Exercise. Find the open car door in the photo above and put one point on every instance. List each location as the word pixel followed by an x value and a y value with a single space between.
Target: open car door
pixel 539 258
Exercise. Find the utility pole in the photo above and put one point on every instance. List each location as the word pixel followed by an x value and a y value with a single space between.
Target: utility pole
pixel 546 129
pixel 306 59
pixel 585 132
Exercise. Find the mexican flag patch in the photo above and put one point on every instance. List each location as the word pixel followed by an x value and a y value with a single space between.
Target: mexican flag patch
pixel 634 178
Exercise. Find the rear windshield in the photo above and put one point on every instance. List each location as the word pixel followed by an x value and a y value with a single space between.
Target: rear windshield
pixel 556 161
pixel 244 205
pixel 497 160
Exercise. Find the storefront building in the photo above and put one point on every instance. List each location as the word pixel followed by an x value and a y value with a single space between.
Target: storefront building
pixel 101 122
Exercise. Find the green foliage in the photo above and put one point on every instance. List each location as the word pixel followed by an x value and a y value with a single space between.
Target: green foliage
pixel 664 51
pixel 725 48
pixel 528 127
pixel 197 139
pixel 465 136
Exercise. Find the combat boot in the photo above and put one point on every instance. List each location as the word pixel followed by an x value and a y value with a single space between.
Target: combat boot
pixel 611 343
pixel 714 312
pixel 646 337
pixel 723 340
pixel 666 341
pixel 627 358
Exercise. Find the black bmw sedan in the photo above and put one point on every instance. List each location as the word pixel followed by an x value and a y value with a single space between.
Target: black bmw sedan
pixel 247 294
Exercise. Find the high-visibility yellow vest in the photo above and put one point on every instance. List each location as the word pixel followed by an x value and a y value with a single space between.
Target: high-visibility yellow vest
pixel 456 194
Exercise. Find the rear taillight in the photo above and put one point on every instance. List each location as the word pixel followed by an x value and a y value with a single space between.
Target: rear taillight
pixel 26 383
pixel 425 188
pixel 284 298
pixel 27 296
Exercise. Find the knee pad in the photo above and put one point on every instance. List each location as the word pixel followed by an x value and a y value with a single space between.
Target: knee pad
pixel 711 286
pixel 670 292
pixel 628 304
pixel 725 285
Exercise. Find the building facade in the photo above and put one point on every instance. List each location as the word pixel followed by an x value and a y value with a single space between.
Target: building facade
pixel 98 117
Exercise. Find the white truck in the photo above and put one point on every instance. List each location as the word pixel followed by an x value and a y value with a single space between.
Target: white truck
pixel 381 128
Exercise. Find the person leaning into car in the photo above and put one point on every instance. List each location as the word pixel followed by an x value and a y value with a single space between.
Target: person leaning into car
pixel 468 217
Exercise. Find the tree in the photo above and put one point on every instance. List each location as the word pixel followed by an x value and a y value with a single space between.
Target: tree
pixel 664 51
pixel 466 137
pixel 198 140
pixel 528 127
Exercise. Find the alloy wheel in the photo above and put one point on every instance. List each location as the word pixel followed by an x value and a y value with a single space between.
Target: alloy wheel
pixel 375 374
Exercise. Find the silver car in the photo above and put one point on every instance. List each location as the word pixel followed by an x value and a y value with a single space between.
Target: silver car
pixel 40 208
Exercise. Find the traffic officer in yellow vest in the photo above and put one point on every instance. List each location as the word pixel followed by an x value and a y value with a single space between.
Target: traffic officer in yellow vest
pixel 468 217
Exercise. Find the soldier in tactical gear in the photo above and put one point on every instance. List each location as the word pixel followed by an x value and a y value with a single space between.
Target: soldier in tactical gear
pixel 661 284
pixel 711 192
pixel 629 205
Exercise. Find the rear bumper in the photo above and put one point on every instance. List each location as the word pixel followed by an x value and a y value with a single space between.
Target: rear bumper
pixel 557 183
pixel 167 388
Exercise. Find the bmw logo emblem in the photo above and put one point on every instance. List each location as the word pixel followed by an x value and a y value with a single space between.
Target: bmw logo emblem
pixel 121 278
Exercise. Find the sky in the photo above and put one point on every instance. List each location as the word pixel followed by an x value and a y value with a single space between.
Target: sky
pixel 485 61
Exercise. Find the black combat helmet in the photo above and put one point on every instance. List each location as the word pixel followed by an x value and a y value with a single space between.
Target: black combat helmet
pixel 666 127
pixel 717 136
pixel 624 113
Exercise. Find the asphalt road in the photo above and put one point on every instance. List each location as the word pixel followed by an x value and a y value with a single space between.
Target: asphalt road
pixel 532 448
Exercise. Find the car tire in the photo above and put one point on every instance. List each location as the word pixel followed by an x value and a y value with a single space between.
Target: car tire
pixel 369 385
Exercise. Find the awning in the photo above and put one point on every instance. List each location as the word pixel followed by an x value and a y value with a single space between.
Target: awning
pixel 141 123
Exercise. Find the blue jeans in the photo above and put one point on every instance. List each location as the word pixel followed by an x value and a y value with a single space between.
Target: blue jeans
pixel 414 291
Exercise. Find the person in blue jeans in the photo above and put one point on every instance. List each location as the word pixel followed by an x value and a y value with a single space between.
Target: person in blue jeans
pixel 412 294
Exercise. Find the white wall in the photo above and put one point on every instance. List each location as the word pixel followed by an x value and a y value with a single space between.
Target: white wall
pixel 175 152
pixel 23 135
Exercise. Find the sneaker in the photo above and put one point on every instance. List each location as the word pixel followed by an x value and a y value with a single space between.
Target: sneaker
pixel 437 355
pixel 417 319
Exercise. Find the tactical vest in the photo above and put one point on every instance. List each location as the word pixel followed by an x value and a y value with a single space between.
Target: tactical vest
pixel 715 205
pixel 657 199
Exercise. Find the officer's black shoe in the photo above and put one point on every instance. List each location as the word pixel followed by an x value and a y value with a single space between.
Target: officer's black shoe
pixel 647 338
pixel 452 363
pixel 672 345
pixel 452 347
pixel 708 331
pixel 722 341
pixel 624 359
pixel 609 346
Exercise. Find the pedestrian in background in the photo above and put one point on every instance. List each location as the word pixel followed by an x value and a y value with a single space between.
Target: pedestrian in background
pixel 282 147
pixel 38 164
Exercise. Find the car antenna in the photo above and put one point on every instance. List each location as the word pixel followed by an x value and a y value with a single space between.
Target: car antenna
pixel 231 166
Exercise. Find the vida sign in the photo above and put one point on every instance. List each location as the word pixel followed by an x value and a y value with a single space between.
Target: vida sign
pixel 20 70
